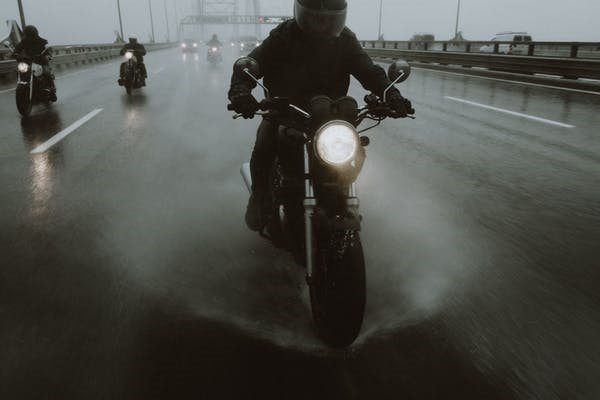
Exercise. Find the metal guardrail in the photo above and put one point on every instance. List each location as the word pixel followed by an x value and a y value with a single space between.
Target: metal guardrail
pixel 577 50
pixel 562 67
pixel 77 54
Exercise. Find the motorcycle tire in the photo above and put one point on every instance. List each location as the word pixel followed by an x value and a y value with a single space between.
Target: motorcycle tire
pixel 338 287
pixel 24 103
pixel 128 88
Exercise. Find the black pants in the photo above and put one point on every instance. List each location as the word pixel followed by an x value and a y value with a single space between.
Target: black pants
pixel 48 77
pixel 263 155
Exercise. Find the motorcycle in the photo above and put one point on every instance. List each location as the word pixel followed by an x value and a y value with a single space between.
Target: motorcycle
pixel 132 77
pixel 214 55
pixel 32 86
pixel 313 196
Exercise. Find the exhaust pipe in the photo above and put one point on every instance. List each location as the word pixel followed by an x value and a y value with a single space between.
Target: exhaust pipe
pixel 245 171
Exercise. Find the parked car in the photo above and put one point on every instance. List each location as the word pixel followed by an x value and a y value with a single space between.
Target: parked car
pixel 509 48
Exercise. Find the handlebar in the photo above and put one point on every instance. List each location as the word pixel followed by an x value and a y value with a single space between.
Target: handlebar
pixel 372 109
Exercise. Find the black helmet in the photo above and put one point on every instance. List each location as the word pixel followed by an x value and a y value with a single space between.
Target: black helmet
pixel 321 18
pixel 30 31
pixel 133 39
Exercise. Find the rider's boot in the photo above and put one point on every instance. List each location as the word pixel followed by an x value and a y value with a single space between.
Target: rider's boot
pixel 257 211
pixel 121 80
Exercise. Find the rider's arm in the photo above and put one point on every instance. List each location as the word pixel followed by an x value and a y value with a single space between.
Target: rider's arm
pixel 123 50
pixel 18 49
pixel 263 54
pixel 142 50
pixel 361 66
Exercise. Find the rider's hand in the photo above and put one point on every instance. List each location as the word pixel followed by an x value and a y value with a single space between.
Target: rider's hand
pixel 244 103
pixel 402 106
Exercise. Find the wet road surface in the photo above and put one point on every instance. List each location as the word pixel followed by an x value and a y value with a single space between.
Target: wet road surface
pixel 126 271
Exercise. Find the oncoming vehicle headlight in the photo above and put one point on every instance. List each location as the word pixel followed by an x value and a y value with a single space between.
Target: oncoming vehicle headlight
pixel 195 44
pixel 183 45
pixel 214 49
pixel 23 67
pixel 128 55
pixel 337 143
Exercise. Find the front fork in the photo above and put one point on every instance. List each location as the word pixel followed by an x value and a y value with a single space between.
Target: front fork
pixel 20 81
pixel 310 203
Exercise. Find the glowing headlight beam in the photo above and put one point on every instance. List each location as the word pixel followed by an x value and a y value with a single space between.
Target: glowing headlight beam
pixel 337 143
pixel 129 55
pixel 23 67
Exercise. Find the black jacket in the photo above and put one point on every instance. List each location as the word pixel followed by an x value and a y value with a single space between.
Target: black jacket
pixel 296 67
pixel 32 47
pixel 214 43
pixel 138 49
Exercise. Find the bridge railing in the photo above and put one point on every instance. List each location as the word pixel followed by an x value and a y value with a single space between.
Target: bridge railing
pixel 585 50
pixel 555 61
pixel 64 56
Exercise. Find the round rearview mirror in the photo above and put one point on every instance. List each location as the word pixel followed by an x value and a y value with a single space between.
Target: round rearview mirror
pixel 399 71
pixel 247 64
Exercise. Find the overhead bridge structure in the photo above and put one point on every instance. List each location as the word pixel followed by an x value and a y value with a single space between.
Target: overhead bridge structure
pixel 229 12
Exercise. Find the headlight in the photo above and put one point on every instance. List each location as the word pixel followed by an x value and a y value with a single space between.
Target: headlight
pixel 183 45
pixel 257 44
pixel 337 143
pixel 214 49
pixel 242 45
pixel 23 67
pixel 195 44
pixel 128 55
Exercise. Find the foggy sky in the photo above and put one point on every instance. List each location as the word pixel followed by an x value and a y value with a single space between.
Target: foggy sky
pixel 94 21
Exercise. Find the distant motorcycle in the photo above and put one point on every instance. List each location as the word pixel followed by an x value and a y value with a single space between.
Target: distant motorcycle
pixel 214 55
pixel 132 77
pixel 32 86
pixel 314 201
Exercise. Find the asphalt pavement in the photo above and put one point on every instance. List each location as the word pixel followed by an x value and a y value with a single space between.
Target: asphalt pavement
pixel 126 270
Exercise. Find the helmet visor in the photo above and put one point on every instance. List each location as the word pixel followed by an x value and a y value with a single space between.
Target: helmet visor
pixel 320 23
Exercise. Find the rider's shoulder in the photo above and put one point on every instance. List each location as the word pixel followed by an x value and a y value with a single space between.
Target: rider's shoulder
pixel 348 34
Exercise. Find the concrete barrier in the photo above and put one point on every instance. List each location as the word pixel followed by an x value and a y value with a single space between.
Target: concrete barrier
pixel 66 56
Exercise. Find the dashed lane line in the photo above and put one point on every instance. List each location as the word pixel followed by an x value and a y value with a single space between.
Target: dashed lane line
pixel 61 135
pixel 509 112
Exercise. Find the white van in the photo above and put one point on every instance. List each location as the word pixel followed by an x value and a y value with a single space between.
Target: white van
pixel 515 48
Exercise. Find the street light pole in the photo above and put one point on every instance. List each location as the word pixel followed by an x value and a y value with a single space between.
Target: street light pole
pixel 457 20
pixel 120 19
pixel 151 20
pixel 22 13
pixel 167 20
pixel 177 26
pixel 380 18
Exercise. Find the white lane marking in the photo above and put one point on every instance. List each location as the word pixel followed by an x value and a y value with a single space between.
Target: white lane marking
pixel 509 81
pixel 516 114
pixel 7 90
pixel 61 135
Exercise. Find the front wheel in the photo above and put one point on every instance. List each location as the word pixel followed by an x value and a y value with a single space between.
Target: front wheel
pixel 23 99
pixel 338 287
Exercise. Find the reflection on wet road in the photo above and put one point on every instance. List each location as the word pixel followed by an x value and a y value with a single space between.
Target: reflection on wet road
pixel 126 271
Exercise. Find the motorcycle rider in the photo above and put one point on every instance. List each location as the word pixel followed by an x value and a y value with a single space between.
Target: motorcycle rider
pixel 139 51
pixel 32 45
pixel 214 42
pixel 312 54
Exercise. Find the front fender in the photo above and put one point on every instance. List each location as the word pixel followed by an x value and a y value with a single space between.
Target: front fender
pixel 342 221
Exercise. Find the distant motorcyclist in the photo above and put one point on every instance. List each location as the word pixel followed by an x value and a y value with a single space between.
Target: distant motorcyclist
pixel 214 42
pixel 139 51
pixel 32 45
pixel 312 54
